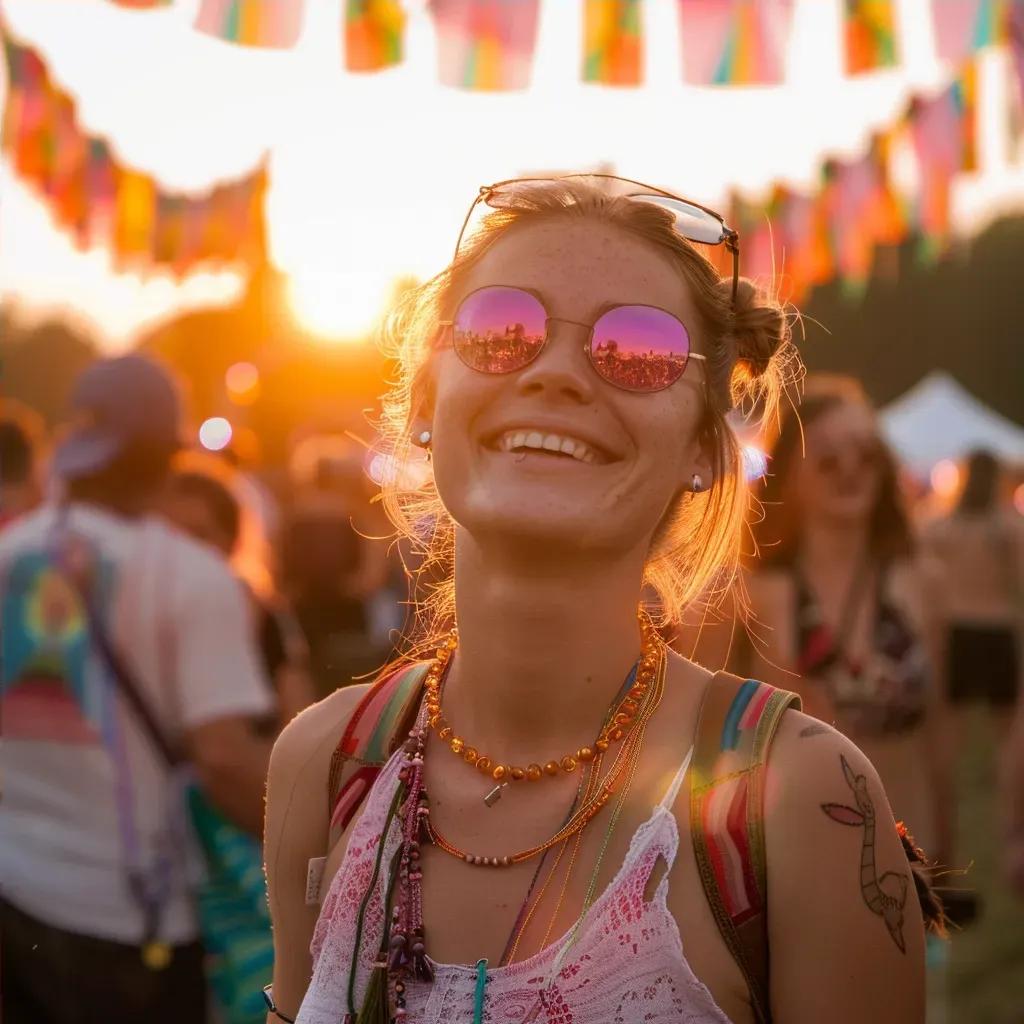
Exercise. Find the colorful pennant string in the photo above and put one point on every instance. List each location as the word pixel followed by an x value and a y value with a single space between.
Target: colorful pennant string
pixel 612 34
pixel 962 27
pixel 374 34
pixel 735 42
pixel 486 44
pixel 272 24
pixel 942 132
pixel 869 33
pixel 1015 37
pixel 101 202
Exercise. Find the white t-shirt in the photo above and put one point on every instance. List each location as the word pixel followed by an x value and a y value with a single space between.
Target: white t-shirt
pixel 181 621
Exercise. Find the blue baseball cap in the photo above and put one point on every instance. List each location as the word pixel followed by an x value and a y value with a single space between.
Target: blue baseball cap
pixel 118 404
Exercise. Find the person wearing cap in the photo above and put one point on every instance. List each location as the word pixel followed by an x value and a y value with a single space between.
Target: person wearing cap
pixel 96 913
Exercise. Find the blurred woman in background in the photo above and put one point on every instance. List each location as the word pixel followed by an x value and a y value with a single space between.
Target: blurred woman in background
pixel 201 503
pixel 981 548
pixel 842 605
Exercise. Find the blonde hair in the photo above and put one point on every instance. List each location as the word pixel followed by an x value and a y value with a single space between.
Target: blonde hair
pixel 749 355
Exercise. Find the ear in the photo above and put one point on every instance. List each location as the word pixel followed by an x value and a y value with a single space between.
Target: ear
pixel 421 415
pixel 701 463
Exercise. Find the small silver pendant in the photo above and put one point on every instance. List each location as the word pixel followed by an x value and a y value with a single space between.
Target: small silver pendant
pixel 495 794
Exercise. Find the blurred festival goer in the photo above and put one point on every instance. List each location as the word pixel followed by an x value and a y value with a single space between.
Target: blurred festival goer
pixel 554 732
pixel 1013 800
pixel 97 917
pixel 20 485
pixel 981 547
pixel 205 506
pixel 841 598
pixel 330 570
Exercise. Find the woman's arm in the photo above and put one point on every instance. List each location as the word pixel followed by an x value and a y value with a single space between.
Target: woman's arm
pixel 845 924
pixel 296 832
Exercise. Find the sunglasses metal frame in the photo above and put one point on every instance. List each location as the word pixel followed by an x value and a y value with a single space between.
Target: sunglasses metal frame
pixel 588 344
pixel 730 237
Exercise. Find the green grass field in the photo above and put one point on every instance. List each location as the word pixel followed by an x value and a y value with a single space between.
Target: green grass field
pixel 985 978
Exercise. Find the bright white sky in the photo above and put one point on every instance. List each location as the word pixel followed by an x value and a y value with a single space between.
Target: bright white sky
pixel 371 175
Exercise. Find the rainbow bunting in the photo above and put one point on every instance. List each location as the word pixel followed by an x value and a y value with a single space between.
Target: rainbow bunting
pixel 142 5
pixel 271 24
pixel 963 27
pixel 861 210
pixel 735 42
pixel 612 31
pixel 757 256
pixel 869 35
pixel 101 202
pixel 134 215
pixel 374 31
pixel 942 131
pixel 1015 34
pixel 486 44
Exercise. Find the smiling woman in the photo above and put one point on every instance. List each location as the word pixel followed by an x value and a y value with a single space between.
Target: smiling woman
pixel 569 375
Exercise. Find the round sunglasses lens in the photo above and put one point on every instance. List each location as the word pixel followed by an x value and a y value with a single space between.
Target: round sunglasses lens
pixel 498 330
pixel 640 348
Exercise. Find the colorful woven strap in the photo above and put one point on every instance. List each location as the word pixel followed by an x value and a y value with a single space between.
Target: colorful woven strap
pixel 738 719
pixel 373 731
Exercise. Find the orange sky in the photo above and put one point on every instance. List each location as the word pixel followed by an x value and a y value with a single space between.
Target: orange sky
pixel 371 174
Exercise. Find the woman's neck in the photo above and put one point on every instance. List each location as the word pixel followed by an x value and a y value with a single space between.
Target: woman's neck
pixel 830 547
pixel 542 653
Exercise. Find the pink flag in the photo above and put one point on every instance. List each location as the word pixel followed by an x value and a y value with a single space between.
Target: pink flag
pixel 735 42
pixel 486 44
pixel 1015 31
pixel 964 26
pixel 265 23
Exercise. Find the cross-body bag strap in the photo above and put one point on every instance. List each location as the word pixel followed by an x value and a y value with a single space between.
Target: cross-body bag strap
pixel 148 889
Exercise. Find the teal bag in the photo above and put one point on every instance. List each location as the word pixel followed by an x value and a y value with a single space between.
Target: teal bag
pixel 233 912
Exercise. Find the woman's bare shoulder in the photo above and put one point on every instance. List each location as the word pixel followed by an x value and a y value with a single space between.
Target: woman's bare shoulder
pixel 306 736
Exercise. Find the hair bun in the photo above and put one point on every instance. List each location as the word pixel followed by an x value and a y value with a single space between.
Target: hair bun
pixel 760 328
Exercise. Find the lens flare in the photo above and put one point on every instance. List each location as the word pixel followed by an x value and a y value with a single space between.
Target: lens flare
pixel 215 434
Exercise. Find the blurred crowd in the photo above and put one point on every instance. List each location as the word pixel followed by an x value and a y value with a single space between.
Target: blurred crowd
pixel 890 607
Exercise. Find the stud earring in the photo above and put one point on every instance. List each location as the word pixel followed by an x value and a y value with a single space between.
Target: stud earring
pixel 423 439
pixel 698 484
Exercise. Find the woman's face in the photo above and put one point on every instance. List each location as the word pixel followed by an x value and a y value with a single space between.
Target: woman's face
pixel 644 446
pixel 838 480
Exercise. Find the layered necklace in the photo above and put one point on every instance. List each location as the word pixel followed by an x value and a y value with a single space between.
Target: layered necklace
pixel 403 954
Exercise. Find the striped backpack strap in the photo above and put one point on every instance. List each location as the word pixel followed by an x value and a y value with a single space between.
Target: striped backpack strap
pixel 373 731
pixel 738 719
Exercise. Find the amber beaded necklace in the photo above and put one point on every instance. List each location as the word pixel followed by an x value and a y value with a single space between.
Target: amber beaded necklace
pixel 650 685
pixel 611 732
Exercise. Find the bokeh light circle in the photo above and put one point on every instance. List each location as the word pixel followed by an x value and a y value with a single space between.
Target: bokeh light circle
pixel 215 434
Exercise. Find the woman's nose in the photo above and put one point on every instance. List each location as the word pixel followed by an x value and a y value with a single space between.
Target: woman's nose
pixel 562 368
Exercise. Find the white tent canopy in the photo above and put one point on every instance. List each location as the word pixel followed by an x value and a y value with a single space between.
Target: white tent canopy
pixel 938 419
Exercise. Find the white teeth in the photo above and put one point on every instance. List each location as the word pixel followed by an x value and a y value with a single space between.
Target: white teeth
pixel 514 440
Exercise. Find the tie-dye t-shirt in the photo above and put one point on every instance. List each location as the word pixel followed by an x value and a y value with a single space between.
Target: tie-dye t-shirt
pixel 72 753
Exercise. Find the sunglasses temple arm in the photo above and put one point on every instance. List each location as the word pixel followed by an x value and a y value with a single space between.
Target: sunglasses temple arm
pixel 465 222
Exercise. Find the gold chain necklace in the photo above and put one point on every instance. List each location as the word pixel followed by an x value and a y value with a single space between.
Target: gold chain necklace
pixel 615 729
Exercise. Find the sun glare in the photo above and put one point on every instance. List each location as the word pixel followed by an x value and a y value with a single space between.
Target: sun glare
pixel 339 307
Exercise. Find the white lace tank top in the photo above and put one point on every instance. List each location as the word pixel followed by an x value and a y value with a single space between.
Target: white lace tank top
pixel 626 965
